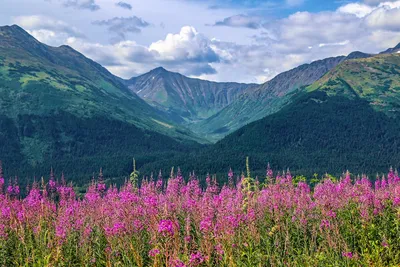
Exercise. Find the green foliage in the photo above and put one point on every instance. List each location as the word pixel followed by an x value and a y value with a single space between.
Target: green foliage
pixel 299 178
pixel 78 146
pixel 134 177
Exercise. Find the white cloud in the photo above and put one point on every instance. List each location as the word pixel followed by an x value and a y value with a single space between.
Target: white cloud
pixel 385 18
pixel 187 45
pixel 47 30
pixel 335 44
pixel 36 22
pixel 360 10
pixel 376 2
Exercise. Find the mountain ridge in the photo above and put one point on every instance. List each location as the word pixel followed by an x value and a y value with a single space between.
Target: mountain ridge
pixel 187 99
pixel 251 102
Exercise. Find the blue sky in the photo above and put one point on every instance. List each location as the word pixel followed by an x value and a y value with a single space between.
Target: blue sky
pixel 221 40
pixel 285 6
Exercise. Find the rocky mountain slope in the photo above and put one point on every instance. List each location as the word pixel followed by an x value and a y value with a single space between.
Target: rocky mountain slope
pixel 187 100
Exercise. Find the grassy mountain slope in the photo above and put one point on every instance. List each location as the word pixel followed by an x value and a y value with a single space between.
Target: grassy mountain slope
pixel 43 78
pixel 187 100
pixel 376 79
pixel 60 108
pixel 265 99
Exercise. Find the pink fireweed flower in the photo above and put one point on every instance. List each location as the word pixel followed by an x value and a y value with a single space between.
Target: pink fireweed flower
pixel 196 259
pixel 325 224
pixel 101 187
pixel 13 190
pixel 396 201
pixel 10 189
pixel 332 214
pixel 166 227
pixel 87 232
pixel 179 175
pixel 177 263
pixel 21 216
pixel 6 212
pixel 270 173
pixel 61 232
pixel 52 185
pixel 154 252
pixel 219 249
pixel 348 255
pixel 206 225
pixel 116 229
pixel 230 174
pixel 16 190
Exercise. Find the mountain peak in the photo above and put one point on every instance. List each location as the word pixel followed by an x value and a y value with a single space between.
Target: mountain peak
pixel 14 35
pixel 14 30
pixel 392 50
pixel 159 70
pixel 13 27
pixel 358 54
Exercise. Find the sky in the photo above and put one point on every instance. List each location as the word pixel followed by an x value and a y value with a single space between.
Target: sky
pixel 221 40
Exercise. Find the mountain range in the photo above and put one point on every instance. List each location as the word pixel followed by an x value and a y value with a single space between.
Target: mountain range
pixel 61 109
pixel 213 110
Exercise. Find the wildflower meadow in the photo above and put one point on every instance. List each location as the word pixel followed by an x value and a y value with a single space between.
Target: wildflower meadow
pixel 278 220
